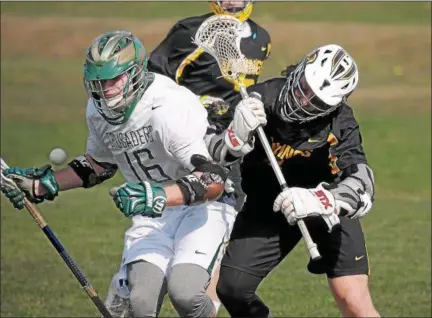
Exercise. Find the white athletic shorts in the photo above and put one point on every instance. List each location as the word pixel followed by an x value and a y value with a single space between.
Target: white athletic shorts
pixel 186 234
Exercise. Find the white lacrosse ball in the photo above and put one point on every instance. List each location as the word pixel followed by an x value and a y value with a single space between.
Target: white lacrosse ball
pixel 58 156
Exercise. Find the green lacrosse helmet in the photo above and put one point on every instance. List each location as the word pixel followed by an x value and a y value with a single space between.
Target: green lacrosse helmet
pixel 115 74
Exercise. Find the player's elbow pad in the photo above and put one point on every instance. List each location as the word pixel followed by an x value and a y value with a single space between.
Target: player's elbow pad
pixel 356 190
pixel 87 173
pixel 219 148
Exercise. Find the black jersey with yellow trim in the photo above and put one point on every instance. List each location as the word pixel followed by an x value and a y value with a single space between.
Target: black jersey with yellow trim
pixel 308 153
pixel 181 60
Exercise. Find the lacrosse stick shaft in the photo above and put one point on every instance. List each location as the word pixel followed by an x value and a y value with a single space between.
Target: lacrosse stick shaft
pixel 311 246
pixel 91 292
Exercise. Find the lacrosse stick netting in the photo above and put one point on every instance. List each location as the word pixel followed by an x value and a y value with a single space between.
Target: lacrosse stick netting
pixel 220 36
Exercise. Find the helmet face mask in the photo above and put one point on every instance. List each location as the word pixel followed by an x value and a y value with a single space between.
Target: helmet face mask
pixel 115 74
pixel 232 7
pixel 302 104
pixel 240 9
pixel 318 85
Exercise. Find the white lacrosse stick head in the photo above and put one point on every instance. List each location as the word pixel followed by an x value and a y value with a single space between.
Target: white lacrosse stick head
pixel 220 36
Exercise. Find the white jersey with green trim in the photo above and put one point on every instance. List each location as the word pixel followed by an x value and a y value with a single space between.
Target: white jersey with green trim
pixel 157 142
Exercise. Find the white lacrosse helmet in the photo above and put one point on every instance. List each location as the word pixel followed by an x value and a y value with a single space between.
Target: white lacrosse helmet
pixel 319 84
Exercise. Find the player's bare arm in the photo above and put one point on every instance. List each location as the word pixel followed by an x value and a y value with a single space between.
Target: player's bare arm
pixel 83 171
pixel 205 183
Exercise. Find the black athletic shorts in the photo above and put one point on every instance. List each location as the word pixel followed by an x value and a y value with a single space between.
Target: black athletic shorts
pixel 259 242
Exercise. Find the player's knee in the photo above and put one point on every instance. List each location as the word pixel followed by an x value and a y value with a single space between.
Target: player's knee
pixel 353 296
pixel 141 305
pixel 237 292
pixel 185 303
pixel 224 289
pixel 147 287
pixel 186 290
pixel 358 305
pixel 231 288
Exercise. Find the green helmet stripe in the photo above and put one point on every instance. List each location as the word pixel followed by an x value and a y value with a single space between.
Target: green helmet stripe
pixel 109 56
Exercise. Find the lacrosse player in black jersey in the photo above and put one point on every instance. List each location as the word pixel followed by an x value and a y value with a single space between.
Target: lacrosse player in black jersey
pixel 181 60
pixel 318 145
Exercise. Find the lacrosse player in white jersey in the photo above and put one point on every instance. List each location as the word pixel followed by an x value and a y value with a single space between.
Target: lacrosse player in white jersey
pixel 152 130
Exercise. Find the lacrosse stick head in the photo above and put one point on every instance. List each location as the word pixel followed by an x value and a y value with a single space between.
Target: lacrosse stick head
pixel 220 36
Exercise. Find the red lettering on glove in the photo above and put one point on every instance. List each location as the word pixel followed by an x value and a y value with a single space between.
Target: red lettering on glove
pixel 323 198
pixel 232 137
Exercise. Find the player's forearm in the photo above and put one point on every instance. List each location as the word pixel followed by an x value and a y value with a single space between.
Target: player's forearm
pixel 83 171
pixel 355 190
pixel 176 195
pixel 66 179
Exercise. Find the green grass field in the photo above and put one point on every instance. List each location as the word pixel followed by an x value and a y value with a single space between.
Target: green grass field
pixel 42 107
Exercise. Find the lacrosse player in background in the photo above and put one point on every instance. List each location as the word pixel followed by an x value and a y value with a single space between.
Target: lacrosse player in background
pixel 152 130
pixel 181 60
pixel 318 145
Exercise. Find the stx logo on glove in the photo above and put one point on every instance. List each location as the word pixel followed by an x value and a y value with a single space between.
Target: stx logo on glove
pixel 232 138
pixel 323 198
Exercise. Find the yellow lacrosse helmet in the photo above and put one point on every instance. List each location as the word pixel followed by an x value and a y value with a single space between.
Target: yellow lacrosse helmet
pixel 240 9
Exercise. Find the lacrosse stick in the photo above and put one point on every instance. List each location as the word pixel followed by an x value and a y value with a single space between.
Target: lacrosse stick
pixel 31 208
pixel 220 37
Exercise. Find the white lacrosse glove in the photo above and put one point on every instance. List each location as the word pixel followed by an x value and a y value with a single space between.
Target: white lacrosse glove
pixel 248 116
pixel 299 203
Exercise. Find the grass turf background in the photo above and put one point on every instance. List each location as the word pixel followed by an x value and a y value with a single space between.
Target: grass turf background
pixel 42 106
